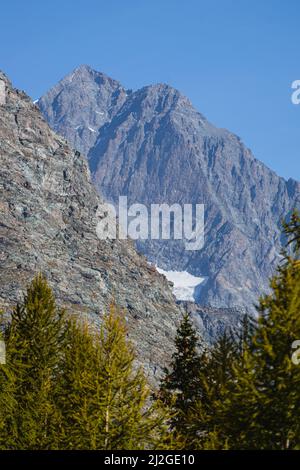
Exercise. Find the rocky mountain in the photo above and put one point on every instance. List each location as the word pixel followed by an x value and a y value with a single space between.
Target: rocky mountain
pixel 48 223
pixel 95 100
pixel 156 148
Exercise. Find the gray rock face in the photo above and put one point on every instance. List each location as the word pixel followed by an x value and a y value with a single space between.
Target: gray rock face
pixel 212 322
pixel 156 148
pixel 48 223
pixel 2 92
pixel 95 100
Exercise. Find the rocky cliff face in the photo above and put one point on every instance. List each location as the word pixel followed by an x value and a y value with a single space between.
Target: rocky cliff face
pixel 157 148
pixel 48 223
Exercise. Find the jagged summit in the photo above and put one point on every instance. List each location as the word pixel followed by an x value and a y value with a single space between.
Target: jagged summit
pixel 3 76
pixel 85 72
pixel 84 68
pixel 95 99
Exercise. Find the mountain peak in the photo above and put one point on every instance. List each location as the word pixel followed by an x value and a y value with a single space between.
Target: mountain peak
pixel 86 72
pixel 4 78
pixel 156 147
pixel 84 68
pixel 84 100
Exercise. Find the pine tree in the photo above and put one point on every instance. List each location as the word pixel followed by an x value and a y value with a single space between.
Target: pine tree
pixel 180 388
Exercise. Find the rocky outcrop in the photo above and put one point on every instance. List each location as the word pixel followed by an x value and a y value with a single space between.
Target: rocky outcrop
pixel 48 222
pixel 2 92
pixel 157 148
pixel 211 322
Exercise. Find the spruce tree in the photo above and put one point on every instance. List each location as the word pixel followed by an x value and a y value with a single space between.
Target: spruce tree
pixel 180 388
pixel 215 380
pixel 8 431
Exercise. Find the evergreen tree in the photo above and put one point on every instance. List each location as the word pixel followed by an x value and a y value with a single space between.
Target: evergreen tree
pixel 124 392
pixel 243 334
pixel 180 388
pixel 216 377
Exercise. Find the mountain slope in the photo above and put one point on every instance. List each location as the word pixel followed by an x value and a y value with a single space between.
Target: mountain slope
pixel 48 223
pixel 158 149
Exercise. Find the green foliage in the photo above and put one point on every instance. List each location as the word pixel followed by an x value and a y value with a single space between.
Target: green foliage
pixel 124 389
pixel 262 410
pixel 249 386
pixel 215 378
pixel 7 403
pixel 78 390
pixel 34 340
pixel 67 387
pixel 107 406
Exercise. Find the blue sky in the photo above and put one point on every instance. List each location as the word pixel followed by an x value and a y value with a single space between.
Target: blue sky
pixel 235 59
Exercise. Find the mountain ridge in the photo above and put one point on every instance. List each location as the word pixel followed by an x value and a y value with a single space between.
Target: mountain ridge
pixel 156 147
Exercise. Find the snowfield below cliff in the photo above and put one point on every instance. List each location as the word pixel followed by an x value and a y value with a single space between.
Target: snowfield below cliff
pixel 184 283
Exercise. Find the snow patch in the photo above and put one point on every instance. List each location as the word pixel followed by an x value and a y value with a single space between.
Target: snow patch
pixel 98 112
pixel 184 283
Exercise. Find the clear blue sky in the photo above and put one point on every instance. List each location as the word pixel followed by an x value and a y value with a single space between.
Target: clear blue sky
pixel 235 59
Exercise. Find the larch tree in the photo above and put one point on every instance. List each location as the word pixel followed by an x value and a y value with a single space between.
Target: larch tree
pixel 263 411
pixel 34 343
pixel 104 398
